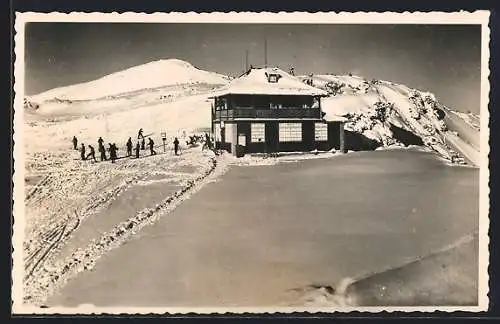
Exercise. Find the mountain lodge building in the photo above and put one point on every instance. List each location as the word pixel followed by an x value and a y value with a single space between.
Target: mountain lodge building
pixel 268 110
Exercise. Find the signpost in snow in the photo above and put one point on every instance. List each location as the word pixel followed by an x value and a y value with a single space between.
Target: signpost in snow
pixel 164 139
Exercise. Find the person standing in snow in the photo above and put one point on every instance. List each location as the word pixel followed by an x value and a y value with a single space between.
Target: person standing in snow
pixel 176 146
pixel 151 146
pixel 110 149
pixel 75 143
pixel 91 153
pixel 143 144
pixel 102 150
pixel 208 143
pixel 112 152
pixel 82 152
pixel 139 134
pixel 137 150
pixel 129 146
pixel 100 141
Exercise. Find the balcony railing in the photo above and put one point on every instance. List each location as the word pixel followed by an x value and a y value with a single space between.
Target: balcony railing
pixel 314 113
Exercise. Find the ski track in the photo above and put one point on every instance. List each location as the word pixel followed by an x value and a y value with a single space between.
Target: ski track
pixel 51 279
pixel 50 223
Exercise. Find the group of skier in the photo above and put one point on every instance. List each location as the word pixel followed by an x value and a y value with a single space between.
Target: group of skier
pixel 102 150
pixel 113 149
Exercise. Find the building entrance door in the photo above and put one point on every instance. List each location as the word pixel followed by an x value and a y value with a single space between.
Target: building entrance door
pixel 272 138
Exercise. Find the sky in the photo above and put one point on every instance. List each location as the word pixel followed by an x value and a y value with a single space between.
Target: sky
pixel 443 59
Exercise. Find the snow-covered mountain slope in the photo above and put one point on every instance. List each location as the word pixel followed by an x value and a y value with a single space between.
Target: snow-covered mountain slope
pixel 167 95
pixel 153 75
pixel 173 96
pixel 156 83
pixel 390 113
pixel 185 114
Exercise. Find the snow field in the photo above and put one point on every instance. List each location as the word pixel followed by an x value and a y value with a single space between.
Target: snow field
pixel 54 272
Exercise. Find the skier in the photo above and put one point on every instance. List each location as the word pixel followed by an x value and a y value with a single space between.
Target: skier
pixel 91 154
pixel 208 143
pixel 176 146
pixel 82 152
pixel 139 134
pixel 102 150
pixel 137 150
pixel 151 146
pixel 129 146
pixel 143 144
pixel 100 141
pixel 112 152
pixel 110 149
pixel 75 143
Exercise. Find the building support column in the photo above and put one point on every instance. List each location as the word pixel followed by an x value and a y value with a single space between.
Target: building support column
pixel 343 148
pixel 234 138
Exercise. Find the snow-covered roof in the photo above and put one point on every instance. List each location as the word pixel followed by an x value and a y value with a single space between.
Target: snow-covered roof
pixel 343 105
pixel 332 117
pixel 256 82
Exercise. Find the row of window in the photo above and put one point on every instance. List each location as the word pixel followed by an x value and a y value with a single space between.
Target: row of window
pixel 288 132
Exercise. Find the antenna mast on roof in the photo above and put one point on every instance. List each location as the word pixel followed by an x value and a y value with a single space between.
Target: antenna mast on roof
pixel 265 52
pixel 246 60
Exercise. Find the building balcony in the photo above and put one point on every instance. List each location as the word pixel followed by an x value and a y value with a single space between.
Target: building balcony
pixel 283 113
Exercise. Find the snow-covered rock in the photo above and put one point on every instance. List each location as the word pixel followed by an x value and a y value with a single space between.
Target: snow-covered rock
pixel 372 108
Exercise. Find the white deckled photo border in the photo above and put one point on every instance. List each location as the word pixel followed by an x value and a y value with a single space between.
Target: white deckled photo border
pixel 21 19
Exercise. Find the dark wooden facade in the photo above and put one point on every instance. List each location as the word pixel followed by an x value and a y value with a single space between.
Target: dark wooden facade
pixel 234 115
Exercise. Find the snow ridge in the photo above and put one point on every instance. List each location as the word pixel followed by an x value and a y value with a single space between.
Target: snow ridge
pixel 376 108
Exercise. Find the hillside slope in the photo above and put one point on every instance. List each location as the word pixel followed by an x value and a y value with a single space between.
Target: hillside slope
pixel 394 114
pixel 151 75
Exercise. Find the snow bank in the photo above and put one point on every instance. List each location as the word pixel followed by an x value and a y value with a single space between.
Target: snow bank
pixel 285 157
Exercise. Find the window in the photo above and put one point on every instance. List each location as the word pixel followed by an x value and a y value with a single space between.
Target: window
pixel 315 103
pixel 290 132
pixel 273 78
pixel 221 104
pixel 321 132
pixel 257 132
pixel 217 132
